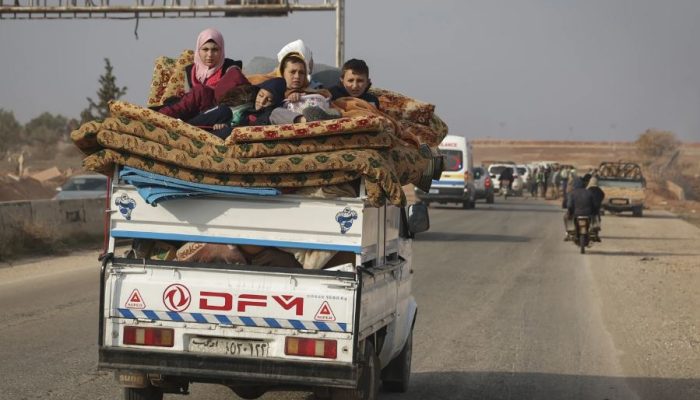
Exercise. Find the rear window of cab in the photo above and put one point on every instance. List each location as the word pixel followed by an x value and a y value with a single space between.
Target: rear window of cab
pixel 453 159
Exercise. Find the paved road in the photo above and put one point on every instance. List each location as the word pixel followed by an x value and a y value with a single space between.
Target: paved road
pixel 507 310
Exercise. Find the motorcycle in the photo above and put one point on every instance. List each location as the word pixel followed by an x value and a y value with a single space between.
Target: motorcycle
pixel 582 238
pixel 505 183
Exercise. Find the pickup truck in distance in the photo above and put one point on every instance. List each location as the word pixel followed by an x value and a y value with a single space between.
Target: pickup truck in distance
pixel 623 185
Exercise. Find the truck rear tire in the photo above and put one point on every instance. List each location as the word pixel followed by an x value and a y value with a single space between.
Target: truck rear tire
pixel 148 393
pixel 637 212
pixel 249 392
pixel 467 205
pixel 368 383
pixel 489 199
pixel 396 375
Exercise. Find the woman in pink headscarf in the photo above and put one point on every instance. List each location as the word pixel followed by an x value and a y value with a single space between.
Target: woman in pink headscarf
pixel 210 62
pixel 208 80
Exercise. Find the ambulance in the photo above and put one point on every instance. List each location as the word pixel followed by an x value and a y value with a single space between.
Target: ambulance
pixel 456 183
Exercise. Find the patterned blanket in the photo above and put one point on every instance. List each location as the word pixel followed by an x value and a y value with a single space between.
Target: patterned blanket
pixel 415 117
pixel 282 156
pixel 389 148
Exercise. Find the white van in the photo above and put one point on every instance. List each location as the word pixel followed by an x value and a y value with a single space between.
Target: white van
pixel 456 183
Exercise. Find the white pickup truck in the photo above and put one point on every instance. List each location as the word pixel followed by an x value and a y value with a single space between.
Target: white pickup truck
pixel 339 332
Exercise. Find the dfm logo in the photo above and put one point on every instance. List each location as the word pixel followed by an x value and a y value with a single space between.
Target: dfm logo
pixel 177 297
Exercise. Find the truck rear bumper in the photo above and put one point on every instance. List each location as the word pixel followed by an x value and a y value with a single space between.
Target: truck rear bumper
pixel 205 368
pixel 446 195
pixel 622 205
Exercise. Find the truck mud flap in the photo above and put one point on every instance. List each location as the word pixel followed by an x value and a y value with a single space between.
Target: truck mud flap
pixel 204 368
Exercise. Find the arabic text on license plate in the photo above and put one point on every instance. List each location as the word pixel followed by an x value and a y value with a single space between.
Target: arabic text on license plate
pixel 233 347
pixel 434 191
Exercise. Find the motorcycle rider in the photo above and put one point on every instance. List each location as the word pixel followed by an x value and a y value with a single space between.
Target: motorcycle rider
pixel 506 176
pixel 598 196
pixel 580 202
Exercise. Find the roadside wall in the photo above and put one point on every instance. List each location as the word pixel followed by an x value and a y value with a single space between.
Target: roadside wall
pixel 61 218
pixel 676 190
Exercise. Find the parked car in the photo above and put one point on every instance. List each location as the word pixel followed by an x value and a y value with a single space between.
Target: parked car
pixel 495 172
pixel 483 184
pixel 83 187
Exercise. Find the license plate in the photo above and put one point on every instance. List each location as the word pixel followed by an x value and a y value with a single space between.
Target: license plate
pixel 231 347
pixel 618 201
pixel 434 191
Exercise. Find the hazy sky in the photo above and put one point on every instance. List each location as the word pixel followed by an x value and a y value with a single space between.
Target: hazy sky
pixel 523 69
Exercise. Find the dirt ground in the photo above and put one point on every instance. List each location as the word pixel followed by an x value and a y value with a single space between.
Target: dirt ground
pixel 65 156
pixel 648 271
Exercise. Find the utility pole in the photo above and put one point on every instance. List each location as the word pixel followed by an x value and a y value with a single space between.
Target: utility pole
pixel 339 33
pixel 37 10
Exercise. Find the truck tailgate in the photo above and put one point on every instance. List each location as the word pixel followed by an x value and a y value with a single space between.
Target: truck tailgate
pixel 265 297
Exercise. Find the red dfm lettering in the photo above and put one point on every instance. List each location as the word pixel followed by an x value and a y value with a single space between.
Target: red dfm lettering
pixel 287 302
pixel 257 300
pixel 222 301
pixel 215 301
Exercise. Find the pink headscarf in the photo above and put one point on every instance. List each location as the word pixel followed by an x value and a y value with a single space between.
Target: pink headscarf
pixel 202 72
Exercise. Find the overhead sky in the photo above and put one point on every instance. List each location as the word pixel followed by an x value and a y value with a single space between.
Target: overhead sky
pixel 510 69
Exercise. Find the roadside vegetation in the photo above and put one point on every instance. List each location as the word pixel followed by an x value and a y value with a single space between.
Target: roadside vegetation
pixel 34 240
pixel 44 138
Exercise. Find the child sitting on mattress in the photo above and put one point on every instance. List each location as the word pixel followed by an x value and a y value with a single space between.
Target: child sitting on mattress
pixel 302 102
pixel 244 105
pixel 355 82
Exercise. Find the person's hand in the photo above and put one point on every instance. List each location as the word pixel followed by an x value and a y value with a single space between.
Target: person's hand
pixel 216 127
pixel 293 97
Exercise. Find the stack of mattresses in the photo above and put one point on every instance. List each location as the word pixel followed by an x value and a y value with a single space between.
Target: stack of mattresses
pixel 389 149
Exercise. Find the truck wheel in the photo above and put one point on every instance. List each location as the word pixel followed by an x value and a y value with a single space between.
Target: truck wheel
pixel 489 199
pixel 368 383
pixel 637 212
pixel 396 375
pixel 467 205
pixel 148 393
pixel 249 392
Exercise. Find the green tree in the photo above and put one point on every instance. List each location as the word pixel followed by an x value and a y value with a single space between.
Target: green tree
pixel 46 129
pixel 108 91
pixel 10 131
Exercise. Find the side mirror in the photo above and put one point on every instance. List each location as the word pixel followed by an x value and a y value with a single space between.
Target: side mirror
pixel 418 220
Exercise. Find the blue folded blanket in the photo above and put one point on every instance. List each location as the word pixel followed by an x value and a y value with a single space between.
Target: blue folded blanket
pixel 155 188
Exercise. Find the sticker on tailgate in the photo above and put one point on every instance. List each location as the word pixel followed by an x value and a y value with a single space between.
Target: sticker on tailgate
pixel 135 300
pixel 325 313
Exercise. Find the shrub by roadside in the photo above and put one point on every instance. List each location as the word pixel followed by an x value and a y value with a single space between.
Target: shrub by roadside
pixel 32 239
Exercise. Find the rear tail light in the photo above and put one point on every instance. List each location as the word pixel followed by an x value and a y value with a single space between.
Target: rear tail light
pixel 140 336
pixel 487 182
pixel 310 347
